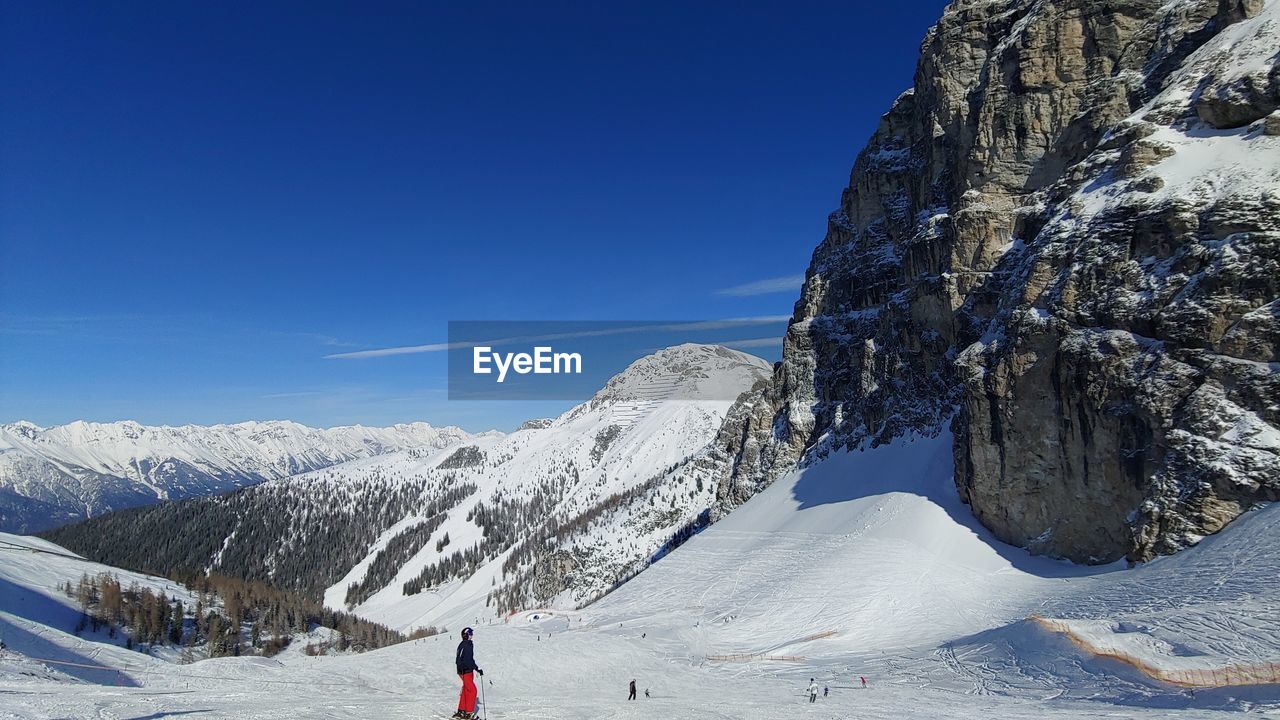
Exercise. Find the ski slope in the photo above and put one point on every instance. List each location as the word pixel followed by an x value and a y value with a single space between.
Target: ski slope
pixel 36 617
pixel 863 564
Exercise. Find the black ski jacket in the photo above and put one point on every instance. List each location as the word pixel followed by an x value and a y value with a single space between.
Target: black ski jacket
pixel 465 662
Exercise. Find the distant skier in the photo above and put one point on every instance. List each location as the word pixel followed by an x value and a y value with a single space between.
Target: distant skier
pixel 646 692
pixel 864 681
pixel 825 691
pixel 813 690
pixel 465 661
pixel 632 688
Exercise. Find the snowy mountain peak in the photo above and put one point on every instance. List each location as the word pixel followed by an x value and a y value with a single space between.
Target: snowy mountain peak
pixel 23 428
pixel 689 371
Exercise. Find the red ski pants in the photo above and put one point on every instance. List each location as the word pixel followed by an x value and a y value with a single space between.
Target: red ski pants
pixel 467 700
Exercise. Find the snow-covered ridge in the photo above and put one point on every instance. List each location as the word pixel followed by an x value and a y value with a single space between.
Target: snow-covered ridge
pixel 654 415
pixel 49 476
pixel 687 372
pixel 693 372
pixel 415 537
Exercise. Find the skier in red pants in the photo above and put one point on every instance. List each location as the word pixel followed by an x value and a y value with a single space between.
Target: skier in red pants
pixel 466 664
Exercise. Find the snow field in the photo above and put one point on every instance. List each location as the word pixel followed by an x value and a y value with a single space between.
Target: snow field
pixel 828 565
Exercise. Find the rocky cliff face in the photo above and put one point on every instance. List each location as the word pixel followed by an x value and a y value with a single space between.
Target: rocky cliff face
pixel 1064 241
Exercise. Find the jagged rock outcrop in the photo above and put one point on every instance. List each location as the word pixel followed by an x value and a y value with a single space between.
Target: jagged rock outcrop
pixel 1064 241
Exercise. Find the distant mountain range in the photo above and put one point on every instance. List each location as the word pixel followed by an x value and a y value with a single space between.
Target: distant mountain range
pixel 52 476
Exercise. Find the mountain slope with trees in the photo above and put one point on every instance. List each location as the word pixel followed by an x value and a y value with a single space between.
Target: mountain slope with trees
pixel 559 512
pixel 52 476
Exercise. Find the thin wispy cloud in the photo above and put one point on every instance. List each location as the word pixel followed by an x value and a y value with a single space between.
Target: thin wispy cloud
pixel 752 342
pixel 326 340
pixel 133 328
pixel 301 393
pixel 698 325
pixel 403 350
pixel 108 325
pixel 768 286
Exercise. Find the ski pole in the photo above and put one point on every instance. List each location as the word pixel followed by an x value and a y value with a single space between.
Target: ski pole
pixel 483 704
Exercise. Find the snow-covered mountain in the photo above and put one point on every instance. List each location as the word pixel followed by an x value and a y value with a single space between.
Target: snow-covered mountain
pixel 51 476
pixel 555 513
pixel 863 565
pixel 1044 314
pixel 577 506
pixel 1063 244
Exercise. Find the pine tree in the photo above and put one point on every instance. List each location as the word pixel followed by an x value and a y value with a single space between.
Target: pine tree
pixel 175 624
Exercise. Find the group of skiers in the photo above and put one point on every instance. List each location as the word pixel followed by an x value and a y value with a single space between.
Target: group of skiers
pixel 813 688
pixel 631 691
pixel 468 700
pixel 465 664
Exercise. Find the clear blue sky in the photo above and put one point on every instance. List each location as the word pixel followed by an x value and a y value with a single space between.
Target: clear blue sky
pixel 199 202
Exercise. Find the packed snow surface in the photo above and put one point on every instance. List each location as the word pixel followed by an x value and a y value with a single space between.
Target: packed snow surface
pixel 861 565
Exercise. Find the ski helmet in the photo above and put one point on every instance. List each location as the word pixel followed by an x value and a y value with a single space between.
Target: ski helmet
pixel 468 632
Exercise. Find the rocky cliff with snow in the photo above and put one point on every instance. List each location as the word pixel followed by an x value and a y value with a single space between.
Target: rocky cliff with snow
pixel 52 476
pixel 1063 241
